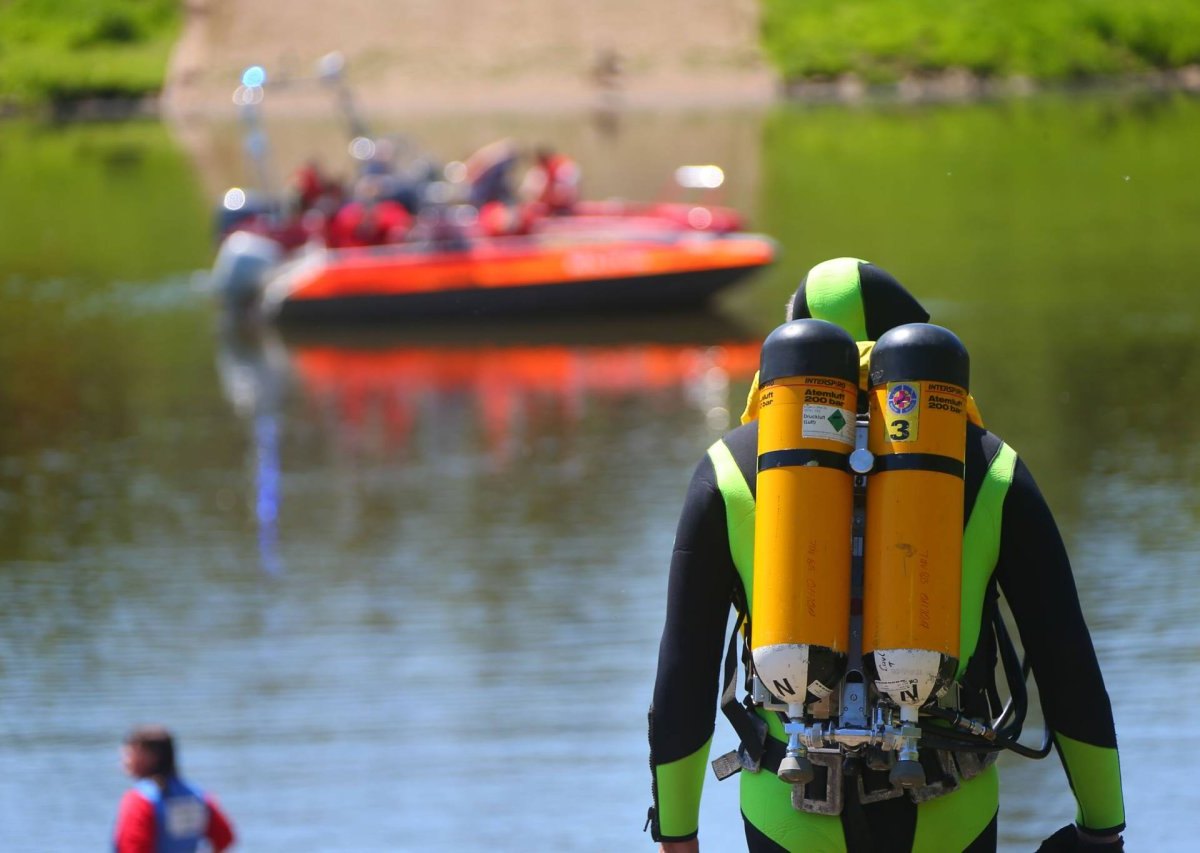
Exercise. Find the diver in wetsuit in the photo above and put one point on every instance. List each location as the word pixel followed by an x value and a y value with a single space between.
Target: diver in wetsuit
pixel 1014 545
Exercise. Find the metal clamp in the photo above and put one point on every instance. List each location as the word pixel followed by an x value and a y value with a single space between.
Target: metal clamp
pixel 832 803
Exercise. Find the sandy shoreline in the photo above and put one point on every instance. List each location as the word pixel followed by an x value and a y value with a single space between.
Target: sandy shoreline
pixel 423 58
pixel 446 56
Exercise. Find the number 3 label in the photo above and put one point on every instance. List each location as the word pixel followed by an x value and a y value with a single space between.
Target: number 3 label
pixel 899 431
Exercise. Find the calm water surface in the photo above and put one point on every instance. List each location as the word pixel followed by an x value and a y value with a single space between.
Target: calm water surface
pixel 403 591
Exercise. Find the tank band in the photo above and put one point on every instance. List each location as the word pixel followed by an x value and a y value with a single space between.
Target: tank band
pixel 917 462
pixel 800 458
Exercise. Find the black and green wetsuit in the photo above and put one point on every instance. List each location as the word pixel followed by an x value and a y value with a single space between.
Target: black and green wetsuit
pixel 1030 567
pixel 1011 543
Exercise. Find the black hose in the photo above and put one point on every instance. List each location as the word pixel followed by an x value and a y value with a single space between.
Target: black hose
pixel 1016 672
pixel 979 742
pixel 936 739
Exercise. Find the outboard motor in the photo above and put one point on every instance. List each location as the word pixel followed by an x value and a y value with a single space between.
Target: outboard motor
pixel 240 269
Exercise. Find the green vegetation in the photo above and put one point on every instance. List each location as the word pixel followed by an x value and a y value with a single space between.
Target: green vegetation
pixel 64 50
pixel 885 40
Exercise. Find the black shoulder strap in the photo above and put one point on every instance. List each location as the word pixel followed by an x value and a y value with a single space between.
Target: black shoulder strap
pixel 982 447
pixel 751 729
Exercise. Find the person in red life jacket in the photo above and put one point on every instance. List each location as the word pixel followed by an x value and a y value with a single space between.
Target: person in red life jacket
pixel 311 200
pixel 368 220
pixel 552 182
pixel 162 813
pixel 307 186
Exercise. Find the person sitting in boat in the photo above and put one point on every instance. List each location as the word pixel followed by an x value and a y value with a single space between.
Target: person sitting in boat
pixel 368 219
pixel 490 190
pixel 409 184
pixel 438 230
pixel 395 181
pixel 310 187
pixel 488 173
pixel 552 182
pixel 312 198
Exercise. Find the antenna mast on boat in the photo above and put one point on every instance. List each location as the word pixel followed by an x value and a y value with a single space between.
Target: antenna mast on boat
pixel 329 71
pixel 248 97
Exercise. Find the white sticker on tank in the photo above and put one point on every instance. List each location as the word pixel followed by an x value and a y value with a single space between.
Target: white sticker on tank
pixel 896 686
pixel 828 422
pixel 818 689
pixel 783 668
pixel 908 676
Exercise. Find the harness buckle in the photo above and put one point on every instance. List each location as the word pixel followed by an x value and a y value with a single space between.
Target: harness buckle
pixel 735 761
pixel 747 761
pixel 726 765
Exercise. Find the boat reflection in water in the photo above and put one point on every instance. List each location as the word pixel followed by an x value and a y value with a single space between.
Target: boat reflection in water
pixel 385 395
pixel 254 373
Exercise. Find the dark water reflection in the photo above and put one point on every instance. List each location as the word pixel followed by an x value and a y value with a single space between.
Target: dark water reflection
pixel 403 591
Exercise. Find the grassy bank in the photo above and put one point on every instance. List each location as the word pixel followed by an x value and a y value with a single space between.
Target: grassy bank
pixel 883 41
pixel 70 50
pixel 64 51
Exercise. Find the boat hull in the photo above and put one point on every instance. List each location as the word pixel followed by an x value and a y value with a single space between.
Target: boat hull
pixel 666 291
pixel 521 278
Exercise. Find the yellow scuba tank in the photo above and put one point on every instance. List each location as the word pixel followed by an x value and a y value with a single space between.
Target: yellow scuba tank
pixel 802 542
pixel 919 377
